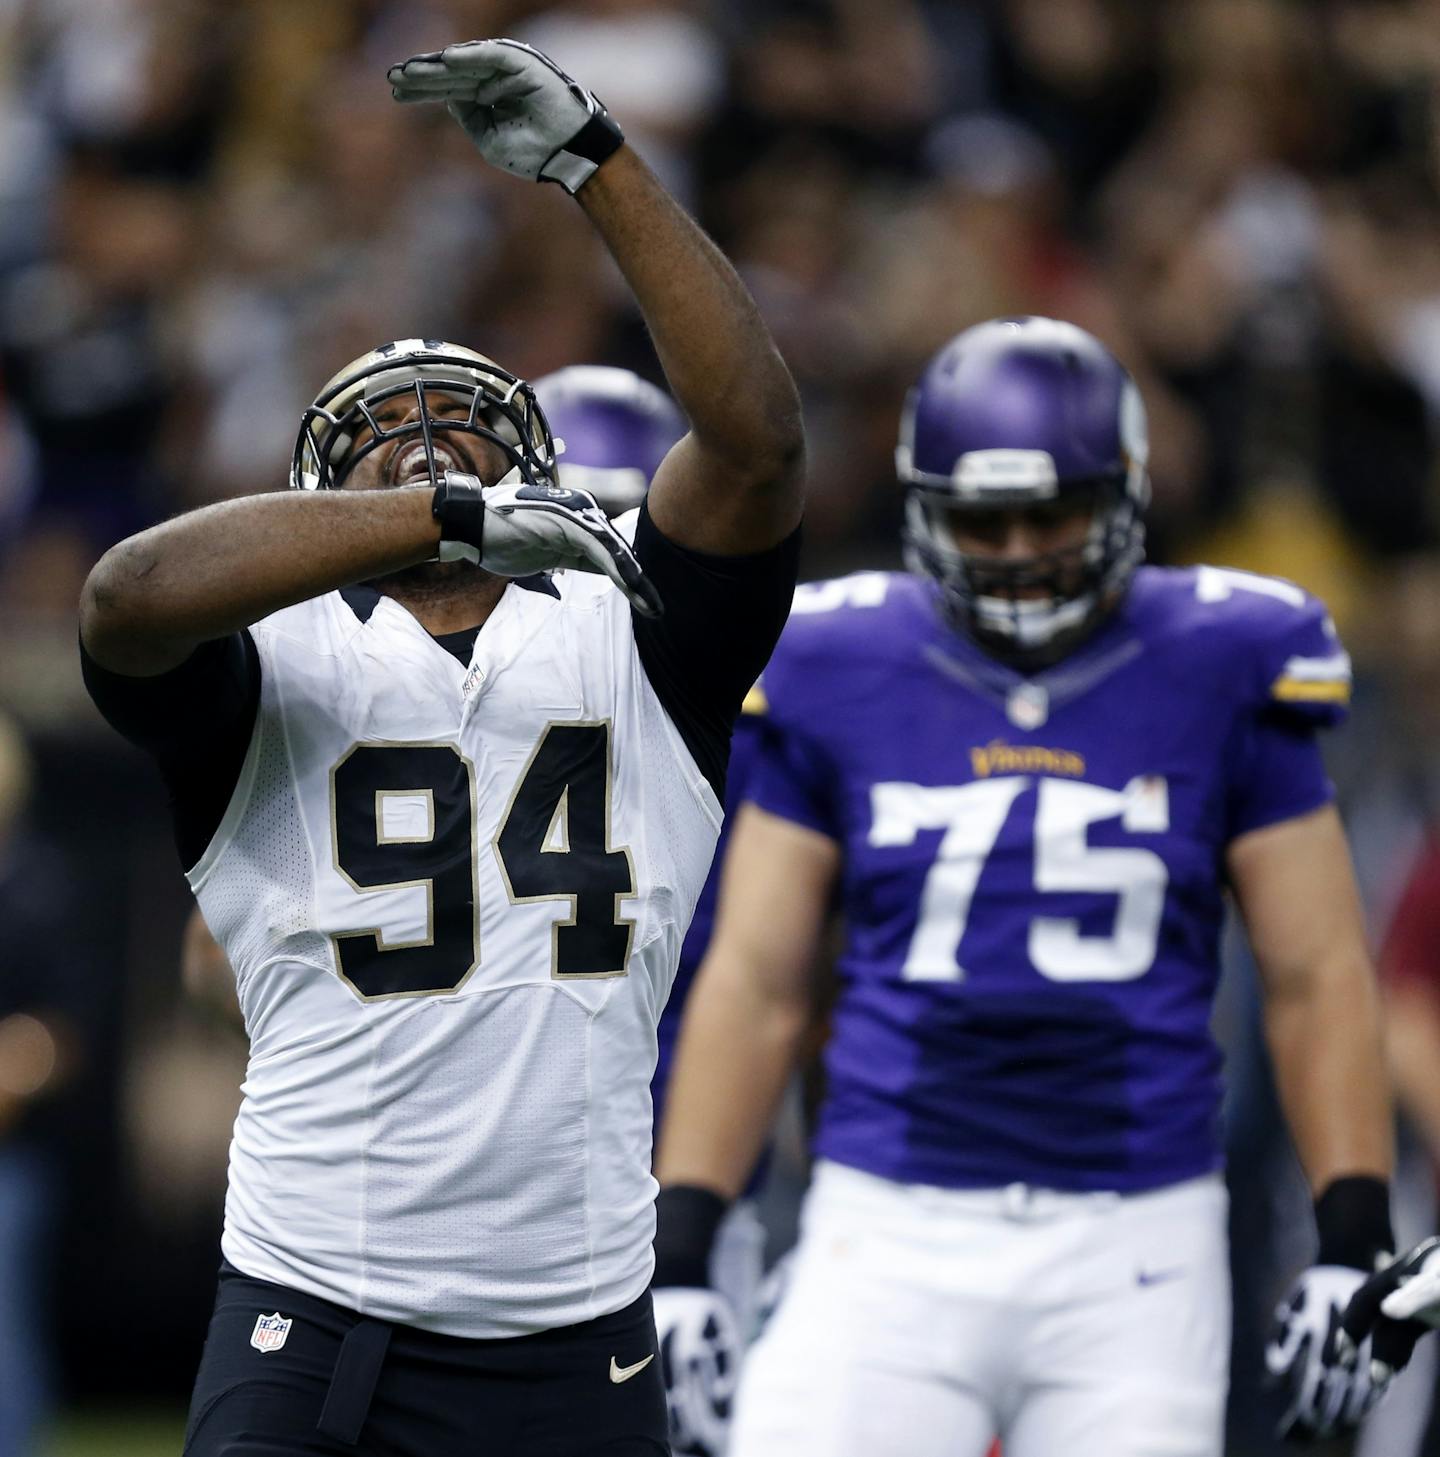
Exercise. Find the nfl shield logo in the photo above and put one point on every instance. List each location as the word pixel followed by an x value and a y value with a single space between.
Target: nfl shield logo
pixel 270 1332
pixel 1028 706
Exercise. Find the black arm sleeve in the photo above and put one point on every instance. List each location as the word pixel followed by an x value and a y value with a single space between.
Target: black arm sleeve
pixel 723 615
pixel 196 721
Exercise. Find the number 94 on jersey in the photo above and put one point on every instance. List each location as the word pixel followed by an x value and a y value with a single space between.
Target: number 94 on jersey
pixel 403 820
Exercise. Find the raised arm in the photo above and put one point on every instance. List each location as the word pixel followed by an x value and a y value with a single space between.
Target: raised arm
pixel 733 485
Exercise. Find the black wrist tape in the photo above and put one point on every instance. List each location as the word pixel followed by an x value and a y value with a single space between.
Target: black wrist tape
pixel 686 1218
pixel 1352 1217
pixel 597 139
pixel 573 165
pixel 460 510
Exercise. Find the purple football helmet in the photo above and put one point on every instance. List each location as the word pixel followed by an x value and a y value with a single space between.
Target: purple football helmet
pixel 1019 412
pixel 612 429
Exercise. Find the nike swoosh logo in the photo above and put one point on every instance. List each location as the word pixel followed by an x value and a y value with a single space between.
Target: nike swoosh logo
pixel 624 1373
pixel 1158 1277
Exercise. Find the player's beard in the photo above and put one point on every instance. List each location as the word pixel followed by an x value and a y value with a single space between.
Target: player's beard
pixel 429 584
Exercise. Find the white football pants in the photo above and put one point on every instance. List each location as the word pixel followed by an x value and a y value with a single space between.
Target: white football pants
pixel 923 1322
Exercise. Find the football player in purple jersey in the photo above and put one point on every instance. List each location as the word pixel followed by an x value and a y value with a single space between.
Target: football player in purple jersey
pixel 1027 775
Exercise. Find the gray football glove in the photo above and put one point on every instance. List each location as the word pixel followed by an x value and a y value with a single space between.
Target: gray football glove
pixel 1326 1394
pixel 700 1351
pixel 523 112
pixel 515 529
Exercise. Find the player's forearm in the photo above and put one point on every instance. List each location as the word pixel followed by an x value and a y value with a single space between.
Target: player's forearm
pixel 1324 1035
pixel 718 355
pixel 1296 890
pixel 153 598
pixel 737 1049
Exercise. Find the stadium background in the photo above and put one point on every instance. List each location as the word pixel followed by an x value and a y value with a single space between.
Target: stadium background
pixel 207 205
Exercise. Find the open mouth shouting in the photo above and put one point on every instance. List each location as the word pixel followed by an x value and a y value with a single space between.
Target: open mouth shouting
pixel 410 465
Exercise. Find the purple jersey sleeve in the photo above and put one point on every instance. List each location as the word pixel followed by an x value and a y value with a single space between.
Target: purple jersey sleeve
pixel 1279 774
pixel 792 778
pixel 807 686
pixel 1298 682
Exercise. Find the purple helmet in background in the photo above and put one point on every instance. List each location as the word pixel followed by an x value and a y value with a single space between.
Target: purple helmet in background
pixel 1016 413
pixel 612 429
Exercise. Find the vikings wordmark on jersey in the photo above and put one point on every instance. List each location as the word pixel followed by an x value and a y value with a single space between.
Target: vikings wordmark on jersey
pixel 1031 894
pixel 453 897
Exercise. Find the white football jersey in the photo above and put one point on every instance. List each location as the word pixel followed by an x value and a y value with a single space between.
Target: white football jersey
pixel 454 900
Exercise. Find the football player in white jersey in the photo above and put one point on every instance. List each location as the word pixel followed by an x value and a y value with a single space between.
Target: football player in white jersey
pixel 447 819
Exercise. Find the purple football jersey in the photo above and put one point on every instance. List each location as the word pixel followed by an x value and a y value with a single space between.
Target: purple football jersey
pixel 1033 867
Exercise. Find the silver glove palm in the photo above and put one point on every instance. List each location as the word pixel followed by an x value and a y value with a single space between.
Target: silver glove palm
pixel 524 114
pixel 522 528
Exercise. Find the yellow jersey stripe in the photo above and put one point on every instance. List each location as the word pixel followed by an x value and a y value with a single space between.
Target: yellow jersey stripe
pixel 1310 690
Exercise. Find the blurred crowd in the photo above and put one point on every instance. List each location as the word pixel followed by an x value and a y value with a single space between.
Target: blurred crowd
pixel 207 206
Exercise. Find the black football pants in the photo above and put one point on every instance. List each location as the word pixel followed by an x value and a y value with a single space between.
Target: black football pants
pixel 340 1384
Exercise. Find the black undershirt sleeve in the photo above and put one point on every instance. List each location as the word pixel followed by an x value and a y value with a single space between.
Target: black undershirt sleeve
pixel 723 615
pixel 195 721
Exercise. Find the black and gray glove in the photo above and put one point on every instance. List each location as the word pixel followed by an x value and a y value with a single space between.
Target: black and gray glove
pixel 524 114
pixel 700 1341
pixel 516 529
pixel 1326 1395
pixel 1331 1382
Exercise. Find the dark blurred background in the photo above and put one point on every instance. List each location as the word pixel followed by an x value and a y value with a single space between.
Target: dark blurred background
pixel 207 206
